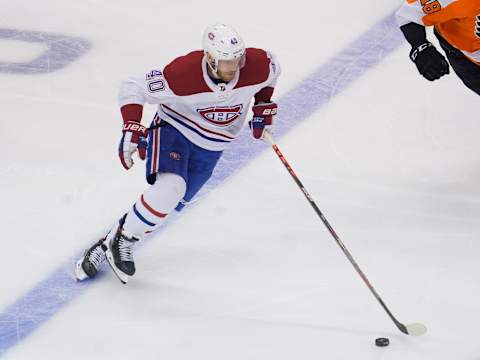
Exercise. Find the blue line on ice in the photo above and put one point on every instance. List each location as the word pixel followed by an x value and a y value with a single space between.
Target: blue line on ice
pixel 42 302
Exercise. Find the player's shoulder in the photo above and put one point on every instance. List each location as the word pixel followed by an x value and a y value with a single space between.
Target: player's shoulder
pixel 430 6
pixel 185 74
pixel 259 65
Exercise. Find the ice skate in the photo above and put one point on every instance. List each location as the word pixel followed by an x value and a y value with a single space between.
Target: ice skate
pixel 89 265
pixel 120 255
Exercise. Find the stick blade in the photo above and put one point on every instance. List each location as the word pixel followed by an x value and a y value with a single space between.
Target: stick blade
pixel 416 329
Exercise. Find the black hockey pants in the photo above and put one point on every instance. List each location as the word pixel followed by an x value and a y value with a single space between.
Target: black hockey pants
pixel 467 71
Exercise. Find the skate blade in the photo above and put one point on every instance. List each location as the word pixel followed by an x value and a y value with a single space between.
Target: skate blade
pixel 80 275
pixel 120 274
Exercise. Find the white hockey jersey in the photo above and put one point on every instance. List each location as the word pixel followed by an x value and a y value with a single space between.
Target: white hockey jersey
pixel 210 115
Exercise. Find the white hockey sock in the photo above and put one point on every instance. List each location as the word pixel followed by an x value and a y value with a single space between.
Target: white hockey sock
pixel 155 204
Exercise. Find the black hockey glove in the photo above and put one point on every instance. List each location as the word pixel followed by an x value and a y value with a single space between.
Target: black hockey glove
pixel 430 63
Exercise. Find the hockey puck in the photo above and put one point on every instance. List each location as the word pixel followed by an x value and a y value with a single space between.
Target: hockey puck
pixel 382 342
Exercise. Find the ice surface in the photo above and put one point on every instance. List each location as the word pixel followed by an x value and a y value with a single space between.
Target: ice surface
pixel 249 272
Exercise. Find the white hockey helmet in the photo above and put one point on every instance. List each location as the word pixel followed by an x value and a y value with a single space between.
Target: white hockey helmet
pixel 222 42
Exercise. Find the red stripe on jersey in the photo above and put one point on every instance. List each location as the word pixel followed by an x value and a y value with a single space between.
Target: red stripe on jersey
pixel 197 125
pixel 185 75
pixel 149 208
pixel 256 69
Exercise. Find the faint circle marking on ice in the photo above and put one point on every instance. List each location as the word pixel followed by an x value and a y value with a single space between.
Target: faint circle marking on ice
pixel 60 51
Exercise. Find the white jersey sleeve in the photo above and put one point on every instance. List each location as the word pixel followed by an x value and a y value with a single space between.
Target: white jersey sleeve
pixel 152 88
pixel 275 69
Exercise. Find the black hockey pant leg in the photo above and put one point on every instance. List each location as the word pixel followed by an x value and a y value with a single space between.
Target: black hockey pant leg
pixel 466 70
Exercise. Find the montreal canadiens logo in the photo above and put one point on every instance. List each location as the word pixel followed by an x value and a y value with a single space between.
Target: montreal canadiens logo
pixel 221 116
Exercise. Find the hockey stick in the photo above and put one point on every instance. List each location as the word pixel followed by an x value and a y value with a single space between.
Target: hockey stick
pixel 415 329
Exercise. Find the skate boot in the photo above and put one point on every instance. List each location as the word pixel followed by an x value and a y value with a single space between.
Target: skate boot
pixel 91 262
pixel 119 253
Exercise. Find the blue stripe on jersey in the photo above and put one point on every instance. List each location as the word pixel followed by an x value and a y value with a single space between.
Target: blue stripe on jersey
pixel 141 217
pixel 195 130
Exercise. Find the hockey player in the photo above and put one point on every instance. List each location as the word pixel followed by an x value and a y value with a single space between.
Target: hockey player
pixel 457 27
pixel 203 99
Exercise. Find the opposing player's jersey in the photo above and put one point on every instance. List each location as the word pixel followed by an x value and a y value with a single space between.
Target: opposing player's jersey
pixel 208 114
pixel 457 21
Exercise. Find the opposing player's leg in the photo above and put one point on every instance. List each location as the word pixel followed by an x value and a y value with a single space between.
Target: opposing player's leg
pixel 465 69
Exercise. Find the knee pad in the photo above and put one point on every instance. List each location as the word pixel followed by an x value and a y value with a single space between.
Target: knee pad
pixel 166 192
